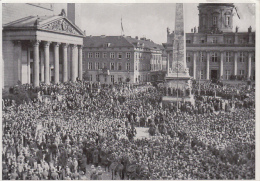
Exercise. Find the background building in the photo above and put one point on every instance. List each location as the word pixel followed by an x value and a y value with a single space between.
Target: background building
pixel 110 59
pixel 40 45
pixel 215 51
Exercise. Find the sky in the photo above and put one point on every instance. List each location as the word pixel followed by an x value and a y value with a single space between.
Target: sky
pixel 149 20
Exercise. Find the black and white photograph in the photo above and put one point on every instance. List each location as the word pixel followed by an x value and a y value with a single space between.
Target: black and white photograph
pixel 129 90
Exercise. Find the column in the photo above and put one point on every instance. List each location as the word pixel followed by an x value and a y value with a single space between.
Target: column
pixel 74 64
pixel 207 65
pixel 235 63
pixel 249 65
pixel 42 68
pixel 221 64
pixel 194 64
pixel 56 62
pixel 80 62
pixel 65 62
pixel 47 62
pixel 36 82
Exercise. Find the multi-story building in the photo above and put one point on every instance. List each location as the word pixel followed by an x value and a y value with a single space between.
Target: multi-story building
pixel 110 59
pixel 39 45
pixel 215 51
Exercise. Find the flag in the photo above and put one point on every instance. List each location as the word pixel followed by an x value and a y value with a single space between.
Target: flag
pixel 122 29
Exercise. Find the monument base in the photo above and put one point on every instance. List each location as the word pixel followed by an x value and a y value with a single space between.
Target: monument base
pixel 182 85
pixel 173 99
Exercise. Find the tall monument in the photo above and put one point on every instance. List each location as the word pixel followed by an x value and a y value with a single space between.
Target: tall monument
pixel 177 80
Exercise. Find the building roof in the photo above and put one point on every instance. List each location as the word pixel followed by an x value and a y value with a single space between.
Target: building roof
pixel 149 44
pixel 100 41
pixel 119 41
pixel 56 23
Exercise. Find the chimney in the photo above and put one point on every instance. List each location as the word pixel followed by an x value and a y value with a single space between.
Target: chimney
pixel 192 30
pixel 136 37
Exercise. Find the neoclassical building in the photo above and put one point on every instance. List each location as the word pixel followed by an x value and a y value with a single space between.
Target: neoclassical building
pixel 41 48
pixel 214 51
pixel 114 59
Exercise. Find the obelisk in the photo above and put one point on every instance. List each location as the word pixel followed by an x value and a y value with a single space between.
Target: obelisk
pixel 177 81
pixel 179 46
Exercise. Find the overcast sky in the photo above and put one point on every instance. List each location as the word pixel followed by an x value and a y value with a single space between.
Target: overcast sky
pixel 149 19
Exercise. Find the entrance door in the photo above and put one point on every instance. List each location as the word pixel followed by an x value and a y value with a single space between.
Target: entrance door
pixel 214 74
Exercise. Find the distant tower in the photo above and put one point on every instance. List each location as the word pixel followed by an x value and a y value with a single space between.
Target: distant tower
pixel 215 17
pixel 74 11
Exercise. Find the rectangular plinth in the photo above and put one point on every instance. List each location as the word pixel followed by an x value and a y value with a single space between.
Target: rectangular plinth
pixel 178 99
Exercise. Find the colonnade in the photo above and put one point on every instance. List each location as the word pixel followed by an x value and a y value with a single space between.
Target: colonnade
pixel 76 70
pixel 221 64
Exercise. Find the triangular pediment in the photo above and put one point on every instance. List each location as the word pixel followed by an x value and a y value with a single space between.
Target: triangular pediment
pixel 62 25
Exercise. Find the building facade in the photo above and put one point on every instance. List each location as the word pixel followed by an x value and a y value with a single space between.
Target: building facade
pixel 115 59
pixel 215 51
pixel 40 47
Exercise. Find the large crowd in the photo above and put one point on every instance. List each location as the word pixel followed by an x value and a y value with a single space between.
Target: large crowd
pixel 73 125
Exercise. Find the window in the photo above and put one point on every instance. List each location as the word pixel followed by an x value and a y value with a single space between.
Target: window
pixel 228 73
pixel 119 66
pixel 202 41
pixel 104 65
pixel 128 55
pixel 214 57
pixel 97 66
pixel 119 79
pixel 119 55
pixel 105 78
pixel 228 55
pixel 227 20
pixel 90 77
pixel 105 55
pixel 253 57
pixel 203 21
pixel 90 65
pixel 201 56
pixel 229 40
pixel 112 55
pixel 201 74
pixel 188 41
pixel 188 57
pixel 242 57
pixel 97 55
pixel 97 78
pixel 241 72
pixel 112 78
pixel 214 40
pixel 90 55
pixel 214 20
pixel 136 66
pixel 83 55
pixel 112 66
pixel 127 66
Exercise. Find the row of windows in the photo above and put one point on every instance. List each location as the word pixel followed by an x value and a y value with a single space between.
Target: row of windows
pixel 104 65
pixel 215 40
pixel 214 57
pixel 112 55
pixel 227 74
pixel 215 20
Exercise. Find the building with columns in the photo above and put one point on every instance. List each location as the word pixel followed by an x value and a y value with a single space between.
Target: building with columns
pixel 214 51
pixel 41 48
pixel 113 59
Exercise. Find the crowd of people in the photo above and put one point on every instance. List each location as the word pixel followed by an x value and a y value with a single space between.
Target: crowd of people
pixel 73 125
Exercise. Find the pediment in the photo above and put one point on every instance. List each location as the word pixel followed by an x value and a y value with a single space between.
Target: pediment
pixel 62 25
